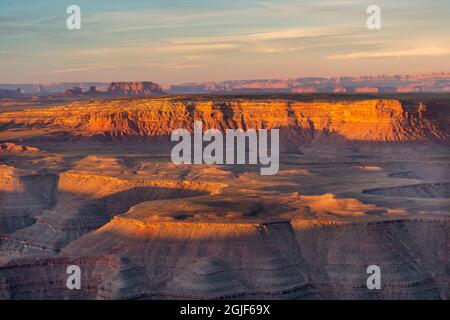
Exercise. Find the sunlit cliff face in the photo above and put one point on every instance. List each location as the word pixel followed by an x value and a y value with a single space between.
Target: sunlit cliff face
pixel 299 122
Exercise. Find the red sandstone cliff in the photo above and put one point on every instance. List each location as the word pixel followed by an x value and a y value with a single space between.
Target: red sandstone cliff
pixel 299 122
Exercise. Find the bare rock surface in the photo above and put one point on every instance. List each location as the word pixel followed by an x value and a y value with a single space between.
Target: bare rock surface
pixel 300 122
pixel 11 147
pixel 361 182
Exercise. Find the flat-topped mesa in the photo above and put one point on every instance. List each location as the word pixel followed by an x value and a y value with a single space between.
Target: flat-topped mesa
pixel 4 93
pixel 300 122
pixel 298 259
pixel 142 88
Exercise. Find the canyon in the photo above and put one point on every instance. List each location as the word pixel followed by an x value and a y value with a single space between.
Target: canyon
pixel 362 181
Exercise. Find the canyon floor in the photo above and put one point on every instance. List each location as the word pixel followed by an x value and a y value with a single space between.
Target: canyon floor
pixel 362 181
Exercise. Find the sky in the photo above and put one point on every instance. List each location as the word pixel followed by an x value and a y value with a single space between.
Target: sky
pixel 179 41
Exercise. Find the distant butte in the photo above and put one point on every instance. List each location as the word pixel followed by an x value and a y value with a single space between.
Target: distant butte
pixel 118 89
pixel 135 89
pixel 413 83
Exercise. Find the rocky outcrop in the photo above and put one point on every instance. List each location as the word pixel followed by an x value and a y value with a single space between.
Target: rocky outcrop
pixel 23 278
pixel 23 196
pixel 41 214
pixel 5 93
pixel 300 122
pixel 428 190
pixel 302 259
pixel 12 147
pixel 305 90
pixel 77 92
pixel 74 92
pixel 117 89
pixel 413 256
pixel 134 89
pixel 366 90
pixel 366 183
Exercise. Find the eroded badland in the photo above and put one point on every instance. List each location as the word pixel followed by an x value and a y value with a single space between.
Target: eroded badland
pixel 362 181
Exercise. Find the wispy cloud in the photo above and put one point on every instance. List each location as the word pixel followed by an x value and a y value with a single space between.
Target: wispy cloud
pixel 199 47
pixel 272 35
pixel 185 39
pixel 188 66
pixel 264 42
pixel 72 70
pixel 415 52
pixel 172 65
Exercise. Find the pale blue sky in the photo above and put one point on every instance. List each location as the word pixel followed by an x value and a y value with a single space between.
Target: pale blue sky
pixel 174 41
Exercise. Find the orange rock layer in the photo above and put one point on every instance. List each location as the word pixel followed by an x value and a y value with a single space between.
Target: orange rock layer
pixel 298 121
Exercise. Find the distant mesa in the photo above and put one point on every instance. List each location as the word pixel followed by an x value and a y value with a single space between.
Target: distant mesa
pixel 433 82
pixel 118 89
pixel 5 93
pixel 338 89
pixel 366 90
pixel 74 92
pixel 413 83
pixel 305 90
pixel 134 89
pixel 409 89
pixel 78 92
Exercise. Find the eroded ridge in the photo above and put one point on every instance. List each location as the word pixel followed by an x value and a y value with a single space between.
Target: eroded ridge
pixel 44 213
pixel 302 259
pixel 425 190
pixel 299 121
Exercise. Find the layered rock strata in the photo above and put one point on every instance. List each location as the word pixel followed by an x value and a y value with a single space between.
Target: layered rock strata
pixel 299 122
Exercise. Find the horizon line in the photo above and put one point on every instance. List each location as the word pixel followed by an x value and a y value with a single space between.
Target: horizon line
pixel 430 73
